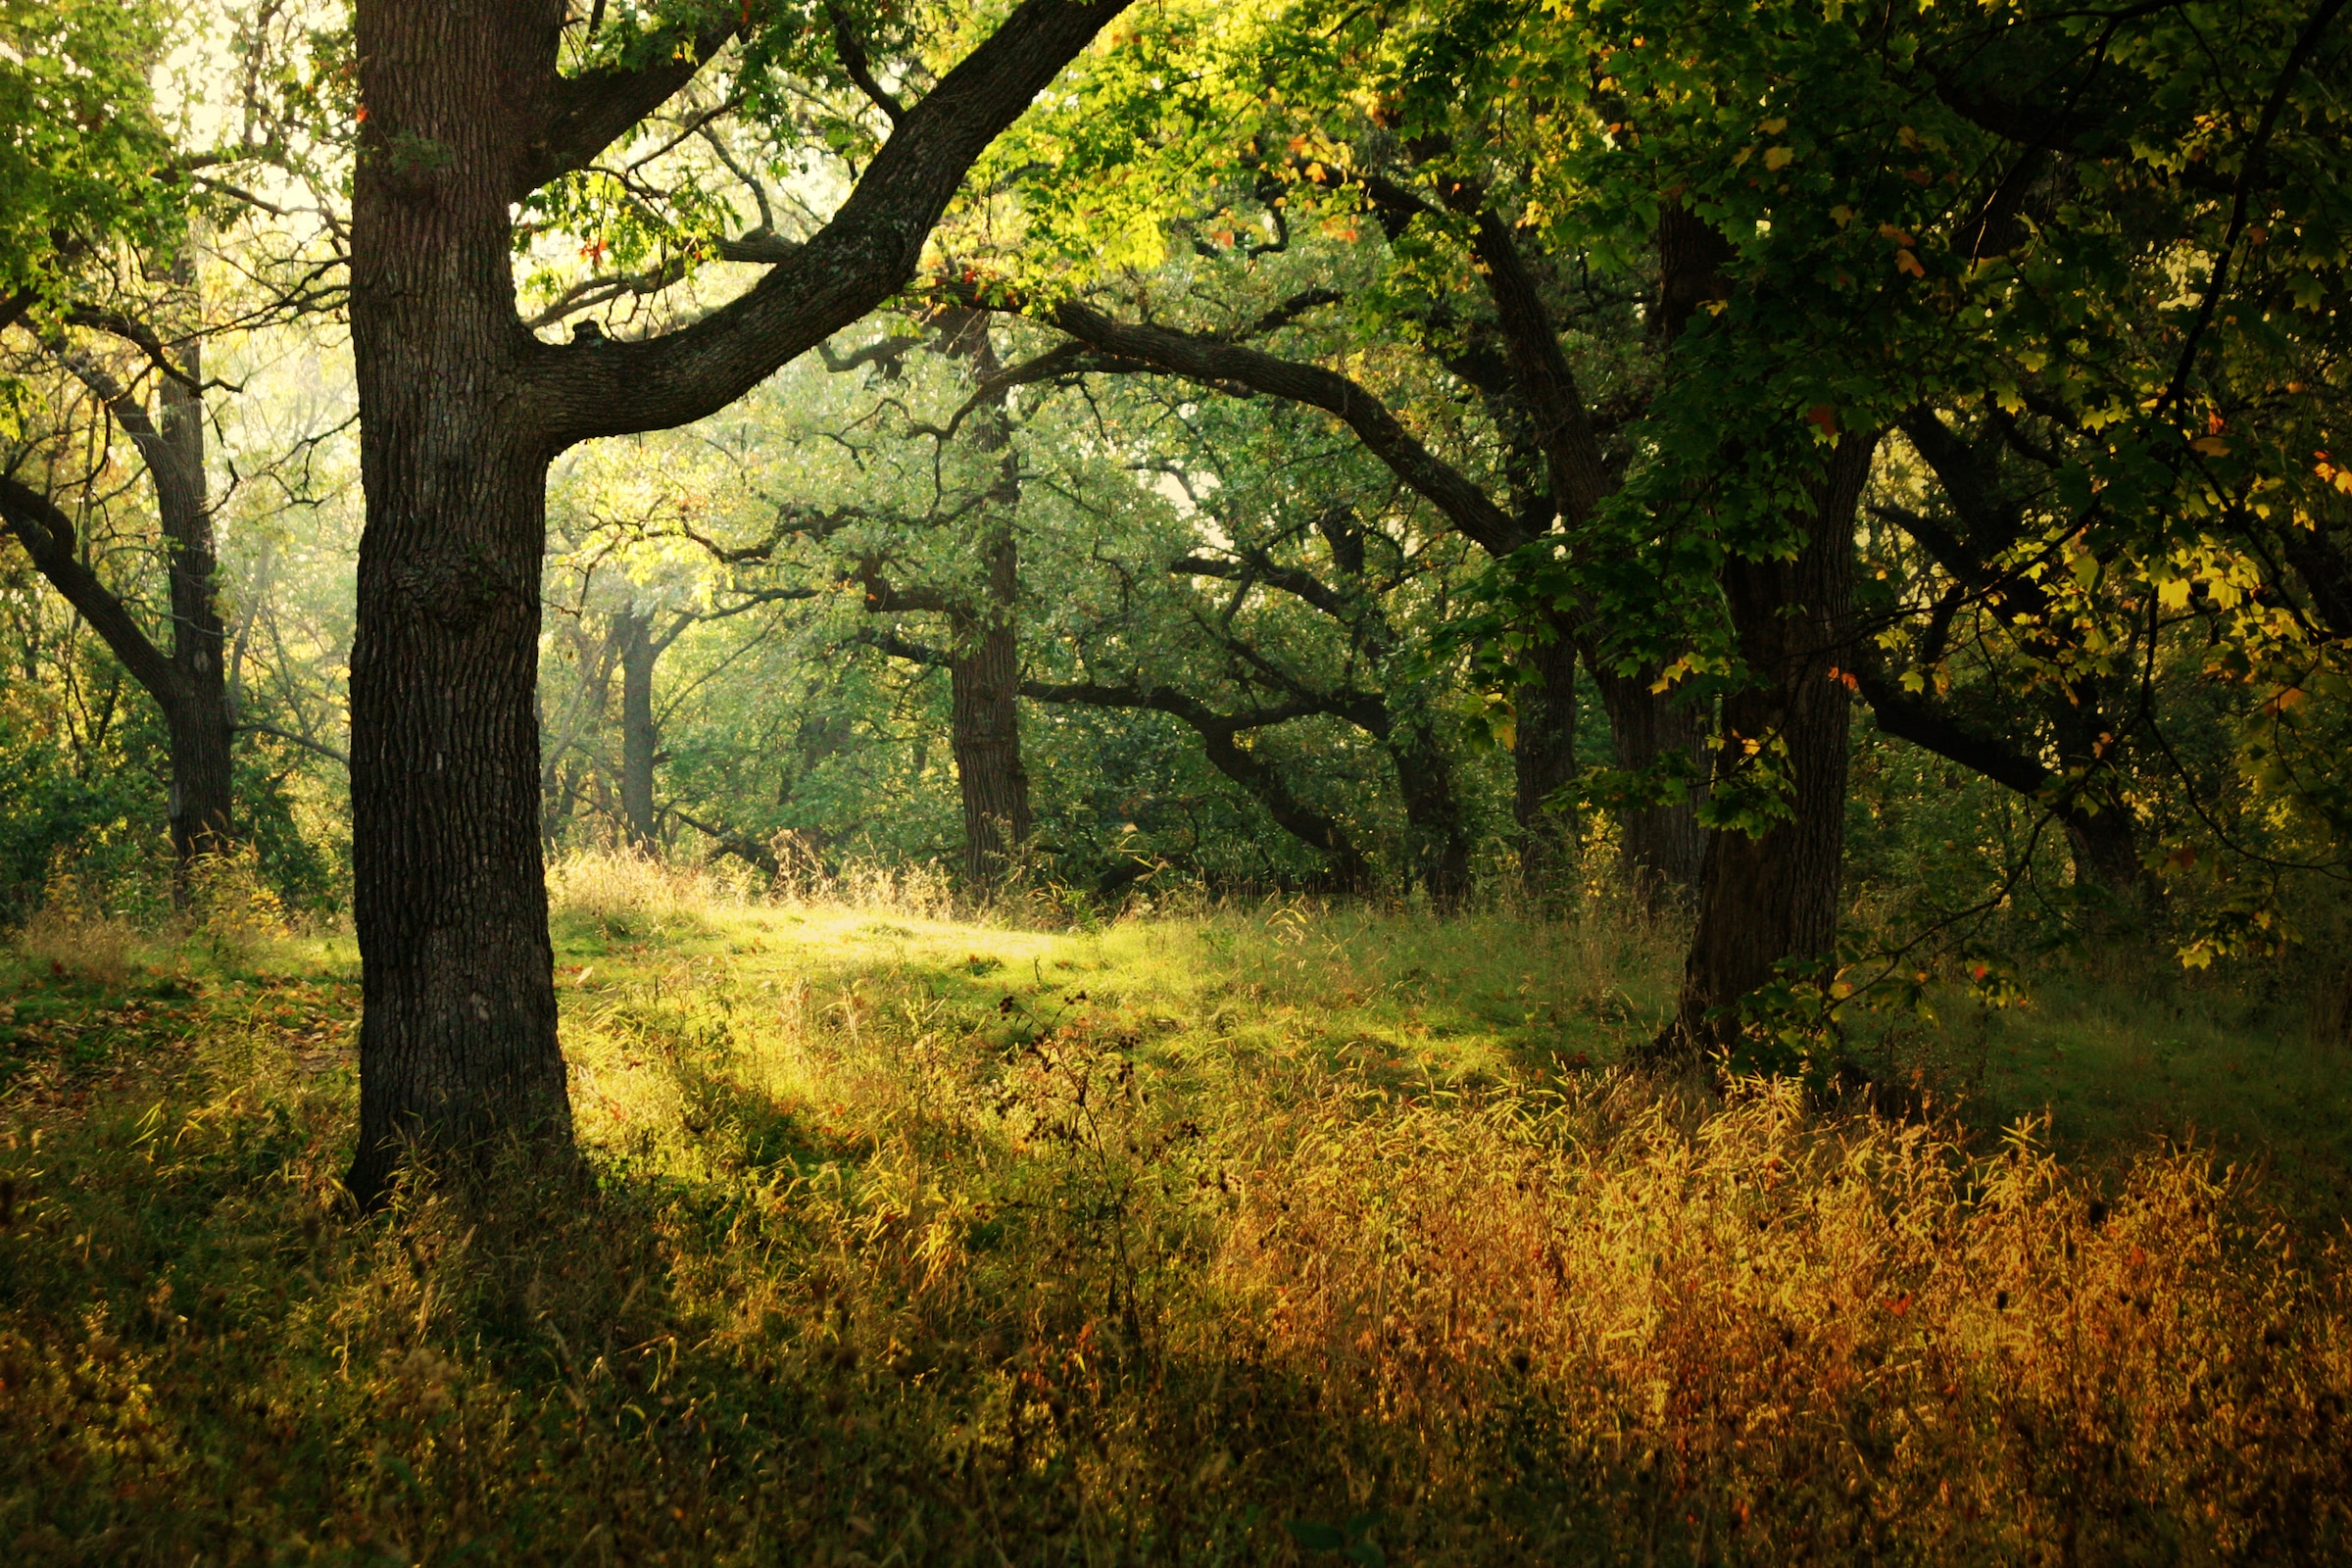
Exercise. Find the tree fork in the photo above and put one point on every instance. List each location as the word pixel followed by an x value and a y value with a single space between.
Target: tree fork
pixel 461 410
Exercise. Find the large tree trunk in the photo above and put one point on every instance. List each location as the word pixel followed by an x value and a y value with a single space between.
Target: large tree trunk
pixel 196 714
pixel 639 738
pixel 1543 764
pixel 1660 849
pixel 457 1038
pixel 1775 896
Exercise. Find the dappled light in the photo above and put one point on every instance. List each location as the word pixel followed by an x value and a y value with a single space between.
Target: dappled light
pixel 1216 782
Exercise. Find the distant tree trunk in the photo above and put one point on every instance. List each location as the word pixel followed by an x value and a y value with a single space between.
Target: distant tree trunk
pixel 985 683
pixel 639 739
pixel 1543 764
pixel 197 715
pixel 1775 896
pixel 1660 850
pixel 1439 839
pixel 985 675
pixel 561 774
pixel 2106 852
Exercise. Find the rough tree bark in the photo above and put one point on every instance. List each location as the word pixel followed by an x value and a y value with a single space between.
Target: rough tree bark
pixel 1772 897
pixel 462 409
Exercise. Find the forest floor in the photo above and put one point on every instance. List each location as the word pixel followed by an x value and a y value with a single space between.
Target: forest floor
pixel 1274 1233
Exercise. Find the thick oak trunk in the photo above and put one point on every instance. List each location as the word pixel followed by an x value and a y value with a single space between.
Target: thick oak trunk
pixel 461 411
pixel 1775 896
pixel 458 1041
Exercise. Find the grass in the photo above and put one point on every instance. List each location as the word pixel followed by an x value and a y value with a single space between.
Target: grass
pixel 1273 1233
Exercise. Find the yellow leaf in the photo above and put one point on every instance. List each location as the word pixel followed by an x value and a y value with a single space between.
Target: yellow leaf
pixel 1774 127
pixel 2173 595
pixel 1779 158
pixel 1914 681
pixel 1842 216
pixel 2213 446
pixel 1742 155
pixel 1905 261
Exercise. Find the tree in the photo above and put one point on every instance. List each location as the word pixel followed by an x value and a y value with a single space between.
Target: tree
pixel 87 170
pixel 467 114
pixel 188 680
pixel 983 614
pixel 643 642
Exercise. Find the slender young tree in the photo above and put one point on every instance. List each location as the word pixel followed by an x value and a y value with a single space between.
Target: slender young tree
pixel 467 114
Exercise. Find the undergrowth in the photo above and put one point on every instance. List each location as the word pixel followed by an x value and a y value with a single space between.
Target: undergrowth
pixel 1270 1233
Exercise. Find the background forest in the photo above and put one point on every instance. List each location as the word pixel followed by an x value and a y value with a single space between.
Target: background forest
pixel 1450 780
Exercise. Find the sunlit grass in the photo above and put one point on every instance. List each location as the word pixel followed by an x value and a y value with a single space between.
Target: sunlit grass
pixel 914 1237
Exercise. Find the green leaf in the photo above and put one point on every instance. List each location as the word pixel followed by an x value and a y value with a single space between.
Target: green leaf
pixel 1316 1535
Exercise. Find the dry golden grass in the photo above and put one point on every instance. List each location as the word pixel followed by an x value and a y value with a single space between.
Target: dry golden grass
pixel 1760 1333
pixel 904 1238
pixel 87 944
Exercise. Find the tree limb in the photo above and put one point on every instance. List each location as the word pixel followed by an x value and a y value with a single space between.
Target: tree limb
pixel 867 252
pixel 588 113
pixel 302 741
pixel 1211 361
pixel 47 535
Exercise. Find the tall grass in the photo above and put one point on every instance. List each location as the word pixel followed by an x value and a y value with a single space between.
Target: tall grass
pixel 1231 1237
pixel 1750 1330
